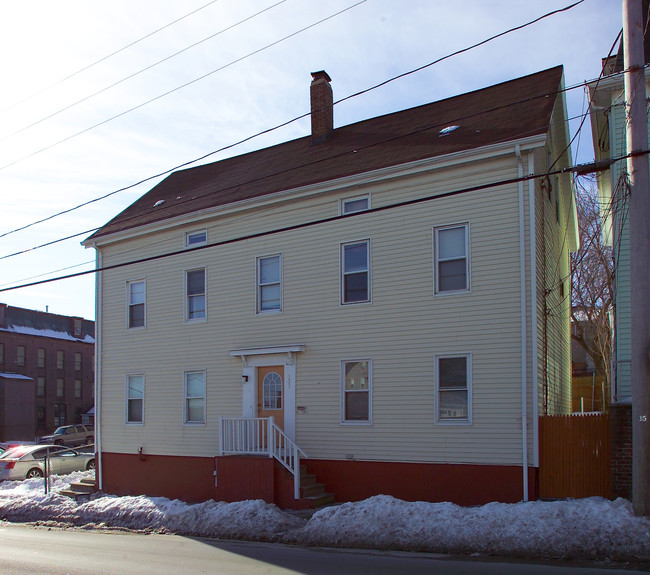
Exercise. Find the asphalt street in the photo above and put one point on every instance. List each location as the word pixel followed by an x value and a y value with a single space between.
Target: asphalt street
pixel 27 550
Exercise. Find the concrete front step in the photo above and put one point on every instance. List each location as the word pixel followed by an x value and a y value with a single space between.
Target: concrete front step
pixel 307 479
pixel 321 500
pixel 81 489
pixel 312 490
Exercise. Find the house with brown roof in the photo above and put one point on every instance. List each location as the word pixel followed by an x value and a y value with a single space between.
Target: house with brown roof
pixel 380 307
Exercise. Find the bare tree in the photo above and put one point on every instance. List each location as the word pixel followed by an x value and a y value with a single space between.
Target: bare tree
pixel 592 289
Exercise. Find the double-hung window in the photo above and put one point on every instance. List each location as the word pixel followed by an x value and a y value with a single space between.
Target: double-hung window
pixel 20 355
pixel 135 398
pixel 452 258
pixel 194 397
pixel 355 272
pixel 453 379
pixel 136 297
pixel 355 389
pixel 41 357
pixel 195 295
pixel 269 284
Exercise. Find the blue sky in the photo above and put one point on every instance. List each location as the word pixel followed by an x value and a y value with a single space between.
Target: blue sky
pixel 255 66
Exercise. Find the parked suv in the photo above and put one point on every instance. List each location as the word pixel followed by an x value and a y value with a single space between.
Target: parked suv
pixel 71 435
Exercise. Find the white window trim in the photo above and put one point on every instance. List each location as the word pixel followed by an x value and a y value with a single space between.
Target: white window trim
pixel 205 393
pixel 343 392
pixel 436 287
pixel 195 232
pixel 461 422
pixel 258 298
pixel 128 303
pixel 344 201
pixel 186 301
pixel 342 273
pixel 126 398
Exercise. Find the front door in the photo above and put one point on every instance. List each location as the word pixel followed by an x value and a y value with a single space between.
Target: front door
pixel 270 393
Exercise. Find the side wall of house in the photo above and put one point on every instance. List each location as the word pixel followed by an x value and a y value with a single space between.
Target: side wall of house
pixel 401 331
pixel 621 244
pixel 552 213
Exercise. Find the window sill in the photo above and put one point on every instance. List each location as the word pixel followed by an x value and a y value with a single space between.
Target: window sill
pixel 451 292
pixel 453 423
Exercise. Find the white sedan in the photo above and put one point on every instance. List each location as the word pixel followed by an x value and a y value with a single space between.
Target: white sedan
pixel 28 461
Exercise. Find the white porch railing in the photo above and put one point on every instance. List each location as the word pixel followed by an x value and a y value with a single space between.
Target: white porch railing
pixel 260 436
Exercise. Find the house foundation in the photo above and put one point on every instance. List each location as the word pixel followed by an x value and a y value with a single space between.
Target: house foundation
pixel 236 478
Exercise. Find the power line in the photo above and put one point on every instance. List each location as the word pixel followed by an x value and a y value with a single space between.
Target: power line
pixel 271 174
pixel 283 124
pixel 462 50
pixel 106 57
pixel 50 272
pixel 303 225
pixel 198 79
pixel 68 107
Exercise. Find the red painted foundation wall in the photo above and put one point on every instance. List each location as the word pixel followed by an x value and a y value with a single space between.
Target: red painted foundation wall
pixel 460 484
pixel 192 479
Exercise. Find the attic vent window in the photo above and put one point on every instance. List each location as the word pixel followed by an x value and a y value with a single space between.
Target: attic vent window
pixel 159 203
pixel 448 130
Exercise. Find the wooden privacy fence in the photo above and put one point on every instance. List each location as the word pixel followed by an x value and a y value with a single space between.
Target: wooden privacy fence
pixel 574 456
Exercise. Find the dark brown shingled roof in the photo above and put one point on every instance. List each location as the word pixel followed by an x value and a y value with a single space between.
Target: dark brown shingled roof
pixel 500 113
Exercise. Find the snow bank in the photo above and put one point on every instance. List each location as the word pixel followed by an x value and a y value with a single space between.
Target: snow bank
pixel 592 528
pixel 586 528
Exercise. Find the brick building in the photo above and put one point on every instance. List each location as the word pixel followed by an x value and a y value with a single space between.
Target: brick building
pixel 46 371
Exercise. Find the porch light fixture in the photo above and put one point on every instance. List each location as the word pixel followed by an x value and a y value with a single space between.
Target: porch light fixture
pixel 244 379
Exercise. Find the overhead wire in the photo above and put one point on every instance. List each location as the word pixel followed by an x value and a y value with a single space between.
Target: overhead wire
pixel 145 69
pixel 185 85
pixel 270 174
pixel 288 122
pixel 558 262
pixel 114 53
pixel 302 225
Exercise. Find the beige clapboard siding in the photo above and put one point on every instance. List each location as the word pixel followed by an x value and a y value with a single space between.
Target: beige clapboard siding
pixel 553 341
pixel 401 330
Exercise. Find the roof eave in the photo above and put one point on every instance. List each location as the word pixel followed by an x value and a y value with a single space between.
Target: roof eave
pixel 398 171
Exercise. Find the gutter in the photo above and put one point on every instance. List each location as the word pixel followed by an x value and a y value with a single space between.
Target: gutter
pixel 533 310
pixel 524 344
pixel 99 469
pixel 337 185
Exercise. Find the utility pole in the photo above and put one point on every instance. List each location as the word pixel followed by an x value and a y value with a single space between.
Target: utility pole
pixel 639 227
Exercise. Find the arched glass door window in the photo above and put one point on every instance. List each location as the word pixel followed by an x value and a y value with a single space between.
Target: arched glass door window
pixel 272 391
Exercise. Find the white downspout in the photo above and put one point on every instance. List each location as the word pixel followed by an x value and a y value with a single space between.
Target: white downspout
pixel 533 309
pixel 98 368
pixel 524 358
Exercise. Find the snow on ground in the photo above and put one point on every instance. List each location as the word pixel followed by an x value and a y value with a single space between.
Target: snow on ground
pixel 591 528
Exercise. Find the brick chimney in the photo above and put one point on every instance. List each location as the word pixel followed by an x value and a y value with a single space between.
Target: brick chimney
pixel 322 107
pixel 3 315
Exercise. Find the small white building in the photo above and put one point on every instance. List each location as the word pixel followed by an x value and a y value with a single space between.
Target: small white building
pixel 385 303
